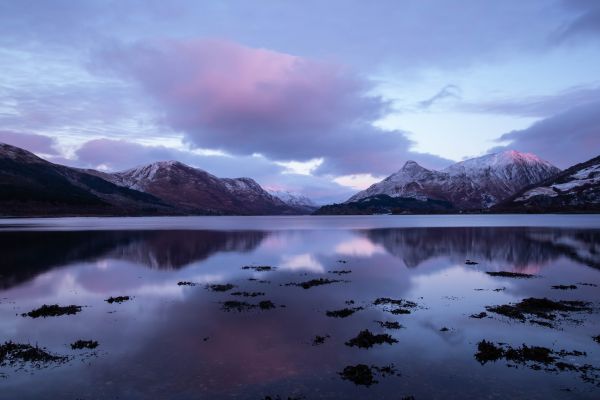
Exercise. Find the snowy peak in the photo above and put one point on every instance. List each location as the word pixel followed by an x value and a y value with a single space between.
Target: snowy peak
pixel 471 184
pixel 497 161
pixel 295 200
pixel 576 189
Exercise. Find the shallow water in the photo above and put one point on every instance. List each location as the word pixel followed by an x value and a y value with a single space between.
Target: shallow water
pixel 176 341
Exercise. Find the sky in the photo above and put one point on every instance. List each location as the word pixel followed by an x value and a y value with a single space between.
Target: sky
pixel 321 98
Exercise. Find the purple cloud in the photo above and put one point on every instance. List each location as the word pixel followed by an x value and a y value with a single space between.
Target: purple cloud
pixel 242 100
pixel 538 106
pixel 564 139
pixel 585 24
pixel 29 141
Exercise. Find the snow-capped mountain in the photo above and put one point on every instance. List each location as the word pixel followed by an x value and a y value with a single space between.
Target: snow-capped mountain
pixel 30 185
pixel 295 200
pixel 472 184
pixel 197 191
pixel 575 189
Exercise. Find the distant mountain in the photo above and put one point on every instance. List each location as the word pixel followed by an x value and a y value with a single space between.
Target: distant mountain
pixel 195 191
pixel 295 200
pixel 474 184
pixel 30 186
pixel 576 189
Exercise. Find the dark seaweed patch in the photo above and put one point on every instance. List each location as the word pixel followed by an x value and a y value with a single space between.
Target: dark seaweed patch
pixel 395 302
pixel 186 283
pixel 248 294
pixel 359 374
pixel 13 354
pixel 363 375
pixel 313 282
pixel 52 311
pixel 564 287
pixel 540 308
pixel 390 324
pixel 318 340
pixel 259 268
pixel 340 272
pixel 366 339
pixel 84 344
pixel 478 316
pixel 234 305
pixel 507 274
pixel 537 358
pixel 343 313
pixel 118 299
pixel 596 338
pixel 220 288
pixel 266 305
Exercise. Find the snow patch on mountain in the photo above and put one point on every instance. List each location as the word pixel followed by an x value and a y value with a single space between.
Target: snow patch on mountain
pixel 476 183
pixel 294 199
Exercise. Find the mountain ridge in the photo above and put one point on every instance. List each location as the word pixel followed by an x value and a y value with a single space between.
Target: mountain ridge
pixel 477 183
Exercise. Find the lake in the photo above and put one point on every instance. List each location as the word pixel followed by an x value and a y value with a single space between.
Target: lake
pixel 370 307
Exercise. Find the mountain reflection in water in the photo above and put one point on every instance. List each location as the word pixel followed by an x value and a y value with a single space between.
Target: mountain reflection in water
pixel 179 341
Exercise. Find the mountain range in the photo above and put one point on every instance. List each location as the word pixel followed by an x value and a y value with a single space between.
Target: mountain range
pixel 508 181
pixel 31 186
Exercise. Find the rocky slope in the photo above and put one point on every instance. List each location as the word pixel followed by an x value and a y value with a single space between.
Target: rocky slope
pixel 576 189
pixel 474 184
pixel 30 185
pixel 195 191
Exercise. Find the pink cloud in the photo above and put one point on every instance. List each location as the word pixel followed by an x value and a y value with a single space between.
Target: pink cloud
pixel 243 100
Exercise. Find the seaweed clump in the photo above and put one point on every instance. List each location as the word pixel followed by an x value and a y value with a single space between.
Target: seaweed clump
pixel 17 353
pixel 390 324
pixel 118 299
pixel 234 305
pixel 220 288
pixel 366 339
pixel 536 358
pixel 319 340
pixel 401 306
pixel 364 375
pixel 259 268
pixel 564 287
pixel 343 313
pixel 52 311
pixel 542 308
pixel 313 282
pixel 84 344
pixel 508 274
pixel 248 294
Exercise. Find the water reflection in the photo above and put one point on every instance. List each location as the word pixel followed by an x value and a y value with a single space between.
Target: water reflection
pixel 27 254
pixel 517 247
pixel 175 341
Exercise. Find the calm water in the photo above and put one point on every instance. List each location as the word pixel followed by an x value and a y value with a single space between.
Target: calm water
pixel 177 342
